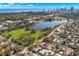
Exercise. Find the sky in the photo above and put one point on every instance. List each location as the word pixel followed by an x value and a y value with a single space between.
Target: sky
pixel 39 1
pixel 37 5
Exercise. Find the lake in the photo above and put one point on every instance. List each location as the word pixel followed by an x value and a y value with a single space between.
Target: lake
pixel 42 25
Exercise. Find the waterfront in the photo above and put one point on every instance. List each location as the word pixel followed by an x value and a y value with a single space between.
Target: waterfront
pixel 50 24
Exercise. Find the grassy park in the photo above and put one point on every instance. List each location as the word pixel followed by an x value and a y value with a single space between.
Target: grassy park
pixel 20 36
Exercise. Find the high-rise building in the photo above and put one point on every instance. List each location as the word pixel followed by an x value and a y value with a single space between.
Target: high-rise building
pixel 72 8
pixel 65 8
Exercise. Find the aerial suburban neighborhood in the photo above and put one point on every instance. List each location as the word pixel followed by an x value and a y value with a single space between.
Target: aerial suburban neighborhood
pixel 40 33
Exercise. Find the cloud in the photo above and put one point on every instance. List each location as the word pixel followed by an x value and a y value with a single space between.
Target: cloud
pixel 17 5
pixel 5 5
pixel 9 4
pixel 30 5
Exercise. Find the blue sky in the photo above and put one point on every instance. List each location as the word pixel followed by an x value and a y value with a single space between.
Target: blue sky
pixel 37 5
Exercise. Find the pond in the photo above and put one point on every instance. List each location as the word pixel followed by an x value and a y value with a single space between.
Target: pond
pixel 43 25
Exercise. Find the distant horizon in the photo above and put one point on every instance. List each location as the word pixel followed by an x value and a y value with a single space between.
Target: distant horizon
pixel 38 6
pixel 25 7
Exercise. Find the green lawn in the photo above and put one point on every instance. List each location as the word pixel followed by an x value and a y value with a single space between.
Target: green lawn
pixel 22 33
pixel 22 36
pixel 60 18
